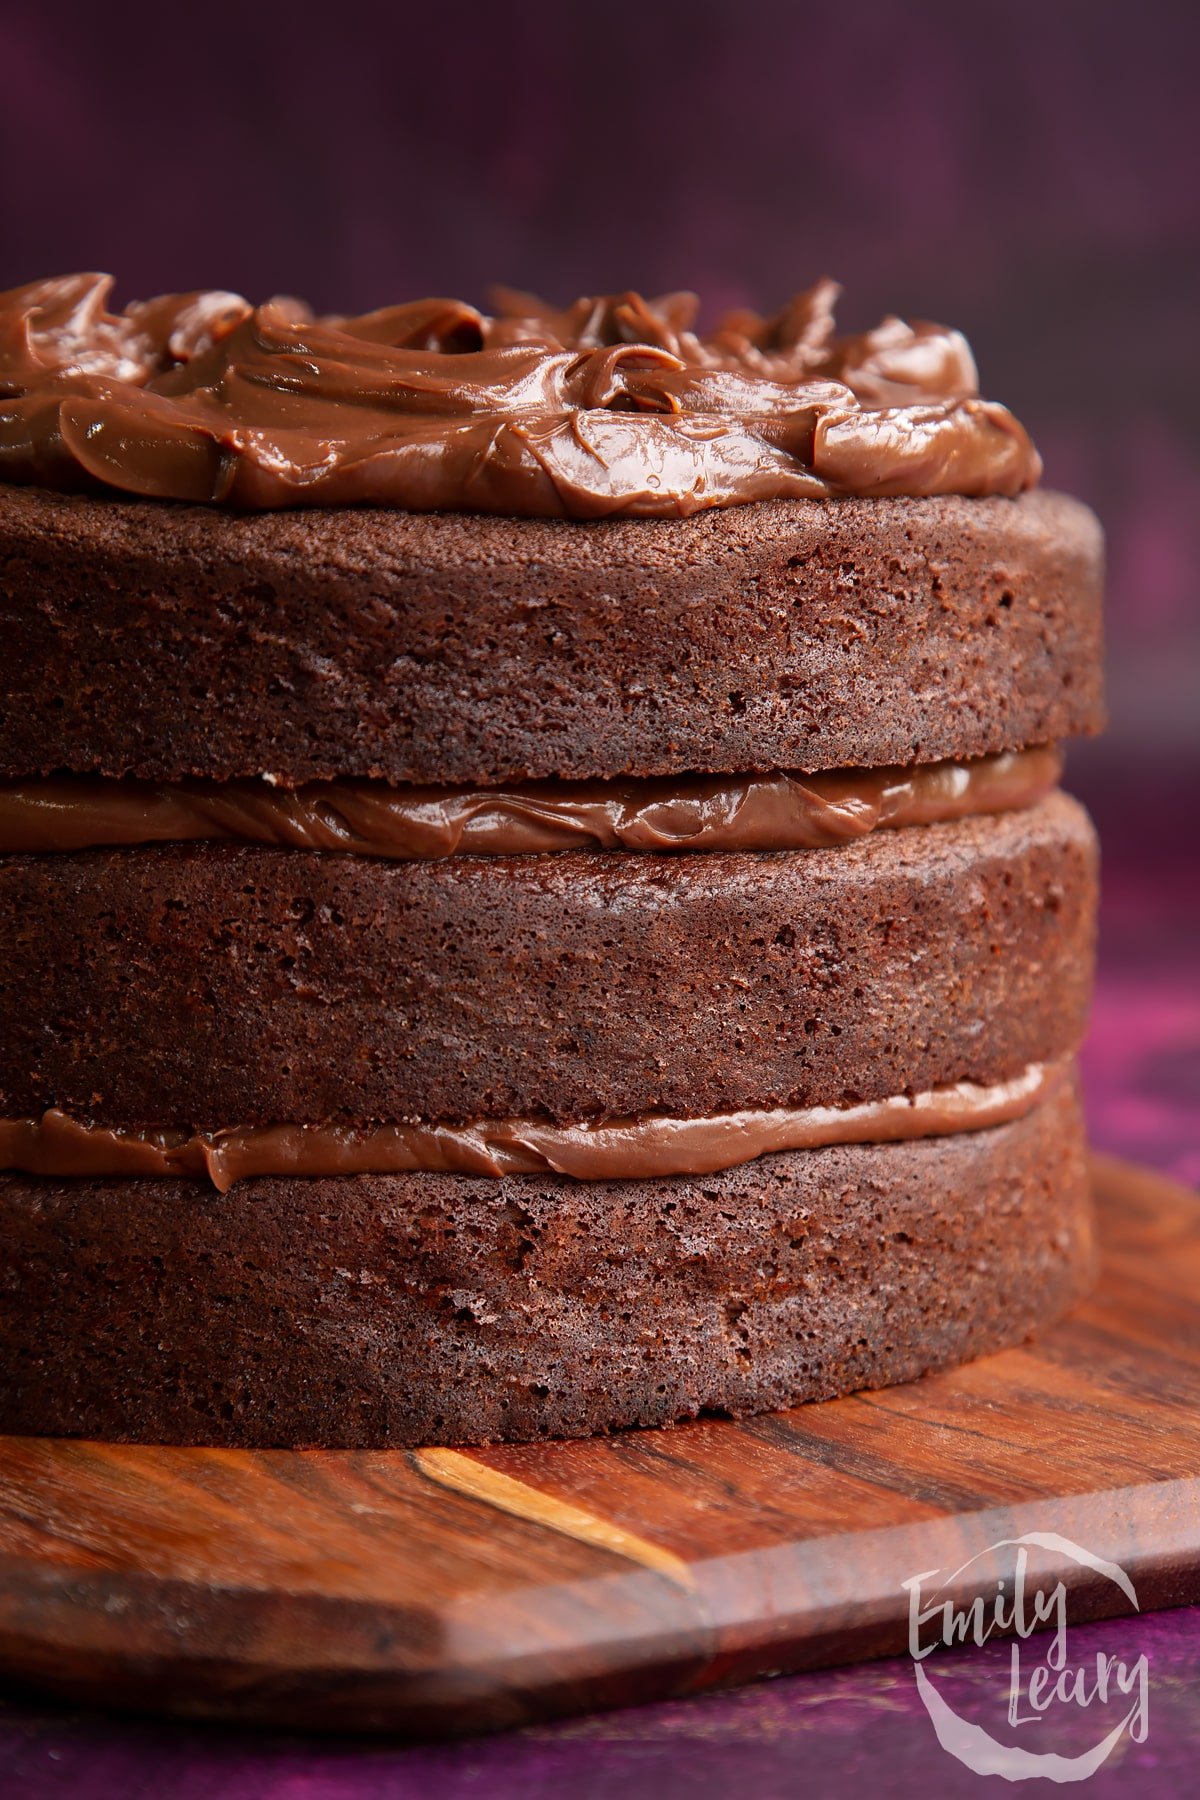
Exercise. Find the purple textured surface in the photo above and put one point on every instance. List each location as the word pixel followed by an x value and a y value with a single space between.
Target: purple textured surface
pixel 1142 1058
pixel 1028 173
pixel 837 1733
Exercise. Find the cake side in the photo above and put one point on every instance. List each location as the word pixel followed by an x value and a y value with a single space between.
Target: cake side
pixel 166 641
pixel 219 986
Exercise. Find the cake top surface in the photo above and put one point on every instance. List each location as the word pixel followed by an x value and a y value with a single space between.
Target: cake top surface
pixel 614 406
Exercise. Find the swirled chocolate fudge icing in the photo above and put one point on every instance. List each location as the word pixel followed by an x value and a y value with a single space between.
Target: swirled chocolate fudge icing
pixel 614 406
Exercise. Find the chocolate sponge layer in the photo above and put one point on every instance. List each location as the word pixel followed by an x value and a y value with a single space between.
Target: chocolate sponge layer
pixel 218 985
pixel 164 641
pixel 408 1309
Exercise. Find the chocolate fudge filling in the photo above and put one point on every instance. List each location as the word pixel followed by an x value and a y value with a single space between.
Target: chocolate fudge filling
pixel 781 811
pixel 591 1150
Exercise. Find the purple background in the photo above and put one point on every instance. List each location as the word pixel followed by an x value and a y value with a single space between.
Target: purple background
pixel 1028 171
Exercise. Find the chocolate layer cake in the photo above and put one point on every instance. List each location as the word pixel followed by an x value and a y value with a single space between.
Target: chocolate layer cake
pixel 534 896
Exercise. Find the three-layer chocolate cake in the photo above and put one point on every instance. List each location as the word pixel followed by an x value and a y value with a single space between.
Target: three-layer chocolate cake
pixel 534 896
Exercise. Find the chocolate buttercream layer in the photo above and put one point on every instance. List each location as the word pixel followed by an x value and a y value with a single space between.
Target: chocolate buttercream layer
pixel 614 405
pixel 746 812
pixel 195 985
pixel 588 1150
pixel 172 643
pixel 419 1309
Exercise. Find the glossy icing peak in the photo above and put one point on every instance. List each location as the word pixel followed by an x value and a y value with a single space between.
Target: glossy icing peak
pixel 614 406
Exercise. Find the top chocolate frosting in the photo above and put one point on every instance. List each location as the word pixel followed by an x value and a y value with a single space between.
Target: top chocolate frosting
pixel 614 406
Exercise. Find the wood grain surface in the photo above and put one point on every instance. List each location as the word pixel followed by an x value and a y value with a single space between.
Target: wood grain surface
pixel 440 1591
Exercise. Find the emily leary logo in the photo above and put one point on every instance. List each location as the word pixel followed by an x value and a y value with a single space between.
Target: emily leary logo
pixel 1042 1689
